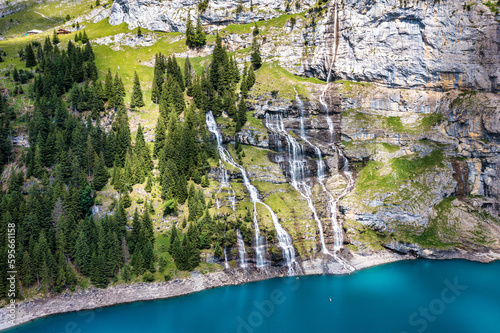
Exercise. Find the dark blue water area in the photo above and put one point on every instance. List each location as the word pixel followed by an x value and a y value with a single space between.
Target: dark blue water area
pixel 411 296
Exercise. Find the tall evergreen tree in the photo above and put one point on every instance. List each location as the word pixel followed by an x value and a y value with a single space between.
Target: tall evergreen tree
pixel 190 33
pixel 108 86
pixel 200 37
pixel 101 175
pixel 187 73
pixel 242 114
pixel 136 99
pixel 30 56
pixel 256 57
pixel 55 38
pixel 250 78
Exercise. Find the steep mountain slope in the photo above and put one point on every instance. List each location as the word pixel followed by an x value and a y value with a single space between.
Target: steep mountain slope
pixel 407 149
pixel 415 44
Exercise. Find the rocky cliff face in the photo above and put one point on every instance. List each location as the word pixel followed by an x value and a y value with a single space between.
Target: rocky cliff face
pixel 426 166
pixel 436 45
pixel 171 15
pixel 421 44
pixel 421 132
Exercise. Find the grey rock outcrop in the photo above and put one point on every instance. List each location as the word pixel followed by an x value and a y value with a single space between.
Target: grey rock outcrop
pixel 424 44
pixel 430 44
pixel 171 15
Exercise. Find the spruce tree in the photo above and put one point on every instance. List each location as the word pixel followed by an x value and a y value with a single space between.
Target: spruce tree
pixel 205 182
pixel 30 56
pixel 244 87
pixel 118 91
pixel 242 114
pixel 136 99
pixel 84 38
pixel 101 175
pixel 108 86
pixel 147 225
pixel 200 37
pixel 250 78
pixel 55 38
pixel 190 34
pixel 160 136
pixel 256 57
pixel 187 73
pixel 148 185
pixel 135 233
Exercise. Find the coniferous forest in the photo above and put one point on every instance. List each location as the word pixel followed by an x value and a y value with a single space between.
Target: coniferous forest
pixel 71 156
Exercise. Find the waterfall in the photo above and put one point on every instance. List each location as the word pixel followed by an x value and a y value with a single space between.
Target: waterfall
pixel 224 184
pixel 332 202
pixel 284 240
pixel 226 264
pixel 332 64
pixel 241 250
pixel 297 162
pixel 232 200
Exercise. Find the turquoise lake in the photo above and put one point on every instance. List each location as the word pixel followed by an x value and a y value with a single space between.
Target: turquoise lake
pixel 411 296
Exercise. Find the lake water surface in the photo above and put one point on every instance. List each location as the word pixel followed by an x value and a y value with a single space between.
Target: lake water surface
pixel 412 296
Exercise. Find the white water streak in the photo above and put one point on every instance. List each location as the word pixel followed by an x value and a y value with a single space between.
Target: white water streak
pixel 284 240
pixel 297 162
pixel 241 250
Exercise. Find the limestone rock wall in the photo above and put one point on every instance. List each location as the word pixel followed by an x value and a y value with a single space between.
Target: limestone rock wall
pixel 424 44
pixel 427 44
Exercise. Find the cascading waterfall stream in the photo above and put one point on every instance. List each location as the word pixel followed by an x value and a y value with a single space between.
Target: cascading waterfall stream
pixel 284 240
pixel 241 250
pixel 332 63
pixel 296 162
pixel 225 184
pixel 226 264
pixel 332 202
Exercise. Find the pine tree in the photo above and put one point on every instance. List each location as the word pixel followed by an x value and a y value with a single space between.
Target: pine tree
pixel 118 91
pixel 190 34
pixel 135 233
pixel 84 38
pixel 147 225
pixel 139 32
pixel 256 57
pixel 205 182
pixel 160 136
pixel 27 270
pixel 187 73
pixel 149 257
pixel 200 37
pixel 242 114
pixel 244 88
pixel 83 255
pixel 108 86
pixel 55 38
pixel 250 78
pixel 30 56
pixel 136 99
pixel 101 175
pixel 38 169
pixel 148 185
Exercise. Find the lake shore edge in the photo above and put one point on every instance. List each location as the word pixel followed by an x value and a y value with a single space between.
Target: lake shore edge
pixel 95 299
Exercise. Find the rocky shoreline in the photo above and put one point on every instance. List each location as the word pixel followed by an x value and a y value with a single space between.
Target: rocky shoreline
pixel 93 298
